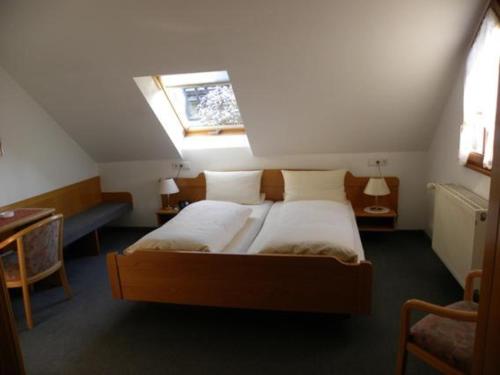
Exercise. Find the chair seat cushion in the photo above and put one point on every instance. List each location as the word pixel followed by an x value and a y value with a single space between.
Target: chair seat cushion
pixel 88 221
pixel 450 340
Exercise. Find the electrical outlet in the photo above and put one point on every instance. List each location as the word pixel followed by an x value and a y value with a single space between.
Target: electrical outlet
pixel 373 162
pixel 181 164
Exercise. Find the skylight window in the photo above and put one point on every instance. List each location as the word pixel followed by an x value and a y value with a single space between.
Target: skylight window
pixel 480 97
pixel 204 102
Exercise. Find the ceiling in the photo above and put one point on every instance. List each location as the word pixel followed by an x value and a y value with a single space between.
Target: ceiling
pixel 313 76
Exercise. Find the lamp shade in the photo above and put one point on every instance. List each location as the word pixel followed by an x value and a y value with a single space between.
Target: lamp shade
pixel 377 187
pixel 168 186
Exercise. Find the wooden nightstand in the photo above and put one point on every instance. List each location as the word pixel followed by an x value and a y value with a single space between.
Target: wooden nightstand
pixel 369 222
pixel 163 215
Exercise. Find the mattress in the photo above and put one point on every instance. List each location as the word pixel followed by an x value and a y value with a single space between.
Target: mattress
pixel 242 241
pixel 272 221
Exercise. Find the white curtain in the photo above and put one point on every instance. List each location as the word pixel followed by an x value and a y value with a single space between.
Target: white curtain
pixel 480 92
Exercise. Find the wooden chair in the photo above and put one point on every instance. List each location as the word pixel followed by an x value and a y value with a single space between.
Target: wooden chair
pixel 444 338
pixel 39 254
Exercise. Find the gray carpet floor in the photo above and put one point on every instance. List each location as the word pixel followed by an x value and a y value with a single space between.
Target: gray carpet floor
pixel 94 334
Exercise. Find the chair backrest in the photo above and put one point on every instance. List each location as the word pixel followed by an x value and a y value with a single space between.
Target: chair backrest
pixel 41 245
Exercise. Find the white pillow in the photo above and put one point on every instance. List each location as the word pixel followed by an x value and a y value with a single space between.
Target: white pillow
pixel 240 187
pixel 314 185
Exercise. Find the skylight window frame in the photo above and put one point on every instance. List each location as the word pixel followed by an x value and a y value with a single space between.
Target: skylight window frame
pixel 200 130
pixel 192 85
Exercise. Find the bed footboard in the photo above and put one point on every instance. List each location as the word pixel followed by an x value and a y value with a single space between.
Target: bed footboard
pixel 268 282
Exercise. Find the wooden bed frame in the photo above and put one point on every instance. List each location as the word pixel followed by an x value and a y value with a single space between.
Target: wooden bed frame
pixel 270 282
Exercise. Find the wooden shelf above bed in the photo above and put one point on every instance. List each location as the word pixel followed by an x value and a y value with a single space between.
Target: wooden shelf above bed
pixel 273 185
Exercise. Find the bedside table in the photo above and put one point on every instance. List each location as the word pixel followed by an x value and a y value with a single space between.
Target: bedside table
pixel 369 222
pixel 163 215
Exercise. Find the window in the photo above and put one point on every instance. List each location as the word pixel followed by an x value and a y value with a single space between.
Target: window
pixel 480 97
pixel 204 102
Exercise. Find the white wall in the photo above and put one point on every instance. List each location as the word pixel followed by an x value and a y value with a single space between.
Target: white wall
pixel 415 169
pixel 443 152
pixel 141 177
pixel 39 155
pixel 334 76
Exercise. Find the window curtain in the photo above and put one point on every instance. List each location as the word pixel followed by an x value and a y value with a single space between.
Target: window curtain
pixel 480 92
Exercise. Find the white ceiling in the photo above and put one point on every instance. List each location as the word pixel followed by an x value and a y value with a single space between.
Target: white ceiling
pixel 309 76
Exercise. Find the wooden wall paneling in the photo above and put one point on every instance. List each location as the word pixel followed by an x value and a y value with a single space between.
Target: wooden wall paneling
pixel 193 189
pixel 68 200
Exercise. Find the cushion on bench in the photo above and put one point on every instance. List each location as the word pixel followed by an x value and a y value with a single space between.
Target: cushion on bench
pixel 88 221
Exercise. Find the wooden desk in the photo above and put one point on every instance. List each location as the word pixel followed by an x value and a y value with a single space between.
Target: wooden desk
pixel 22 218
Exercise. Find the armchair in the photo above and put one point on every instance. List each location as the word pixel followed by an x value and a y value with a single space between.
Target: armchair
pixel 444 338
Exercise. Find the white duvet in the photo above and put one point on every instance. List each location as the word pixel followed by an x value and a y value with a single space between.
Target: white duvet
pixel 309 228
pixel 202 226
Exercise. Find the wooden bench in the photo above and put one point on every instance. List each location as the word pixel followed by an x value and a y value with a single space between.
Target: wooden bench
pixel 85 208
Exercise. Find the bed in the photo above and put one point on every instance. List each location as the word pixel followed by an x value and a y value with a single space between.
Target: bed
pixel 236 277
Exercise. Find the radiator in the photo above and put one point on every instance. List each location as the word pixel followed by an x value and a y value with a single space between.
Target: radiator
pixel 459 228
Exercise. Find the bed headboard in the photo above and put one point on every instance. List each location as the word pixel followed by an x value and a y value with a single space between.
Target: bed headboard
pixel 193 189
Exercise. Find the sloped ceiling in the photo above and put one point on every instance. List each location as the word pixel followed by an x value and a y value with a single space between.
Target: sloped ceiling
pixel 310 76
